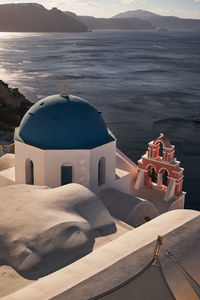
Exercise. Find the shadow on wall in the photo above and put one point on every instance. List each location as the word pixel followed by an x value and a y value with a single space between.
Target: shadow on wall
pixel 128 208
pixel 69 242
pixel 142 213
pixel 52 227
pixel 78 243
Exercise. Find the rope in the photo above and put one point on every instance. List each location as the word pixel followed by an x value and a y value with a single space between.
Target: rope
pixel 155 260
pixel 124 283
pixel 190 279
pixel 163 276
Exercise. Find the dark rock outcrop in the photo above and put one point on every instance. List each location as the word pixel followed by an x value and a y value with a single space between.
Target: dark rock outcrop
pixel 13 106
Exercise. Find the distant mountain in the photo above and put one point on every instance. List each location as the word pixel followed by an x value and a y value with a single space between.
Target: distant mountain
pixel 121 24
pixel 139 13
pixel 32 17
pixel 159 21
pixel 112 23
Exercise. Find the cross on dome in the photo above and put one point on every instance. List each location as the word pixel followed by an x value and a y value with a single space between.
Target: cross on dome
pixel 64 87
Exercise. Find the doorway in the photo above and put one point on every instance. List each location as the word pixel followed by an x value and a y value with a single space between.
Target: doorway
pixel 66 175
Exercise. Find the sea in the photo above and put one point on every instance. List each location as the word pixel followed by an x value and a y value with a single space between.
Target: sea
pixel 144 83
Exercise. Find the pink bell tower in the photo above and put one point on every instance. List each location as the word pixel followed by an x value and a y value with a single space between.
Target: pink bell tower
pixel 159 169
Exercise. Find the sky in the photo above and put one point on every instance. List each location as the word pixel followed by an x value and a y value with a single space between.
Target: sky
pixel 109 8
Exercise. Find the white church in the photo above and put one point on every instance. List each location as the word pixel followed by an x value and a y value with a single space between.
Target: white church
pixel 82 209
pixel 63 139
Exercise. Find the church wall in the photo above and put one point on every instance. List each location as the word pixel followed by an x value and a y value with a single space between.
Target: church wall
pixel 85 166
pixel 108 151
pixel 124 163
pixel 23 152
pixel 179 203
pixel 48 163
pixel 123 184
pixel 78 159
pixel 158 165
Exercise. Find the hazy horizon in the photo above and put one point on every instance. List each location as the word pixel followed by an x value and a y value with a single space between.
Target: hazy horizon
pixel 101 8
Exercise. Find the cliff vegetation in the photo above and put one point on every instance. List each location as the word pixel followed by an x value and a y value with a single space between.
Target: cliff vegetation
pixel 13 106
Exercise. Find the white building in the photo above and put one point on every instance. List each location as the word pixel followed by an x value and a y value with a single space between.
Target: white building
pixel 63 139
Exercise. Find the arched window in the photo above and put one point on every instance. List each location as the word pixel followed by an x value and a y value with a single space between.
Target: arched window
pixel 29 172
pixel 102 171
pixel 165 178
pixel 165 175
pixel 154 175
pixel 161 149
pixel 66 174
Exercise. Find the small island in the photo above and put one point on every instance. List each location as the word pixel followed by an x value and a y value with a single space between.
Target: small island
pixel 162 29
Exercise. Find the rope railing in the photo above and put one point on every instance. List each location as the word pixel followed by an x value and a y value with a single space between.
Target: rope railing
pixel 189 278
pixel 155 260
pixel 124 283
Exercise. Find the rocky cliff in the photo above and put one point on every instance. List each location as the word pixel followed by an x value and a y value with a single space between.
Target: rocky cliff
pixel 32 17
pixel 13 106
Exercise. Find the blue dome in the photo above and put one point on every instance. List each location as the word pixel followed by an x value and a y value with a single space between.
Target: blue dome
pixel 63 122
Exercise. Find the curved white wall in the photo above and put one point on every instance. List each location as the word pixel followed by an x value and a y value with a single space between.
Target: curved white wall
pixel 85 163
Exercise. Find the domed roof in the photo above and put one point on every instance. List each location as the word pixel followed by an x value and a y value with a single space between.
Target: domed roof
pixel 63 122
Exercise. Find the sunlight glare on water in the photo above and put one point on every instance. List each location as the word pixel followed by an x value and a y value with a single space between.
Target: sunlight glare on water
pixel 143 82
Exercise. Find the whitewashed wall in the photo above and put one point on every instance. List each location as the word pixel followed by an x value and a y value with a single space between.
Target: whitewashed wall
pixel 108 151
pixel 125 163
pixel 48 163
pixel 24 152
pixel 78 159
pixel 123 184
